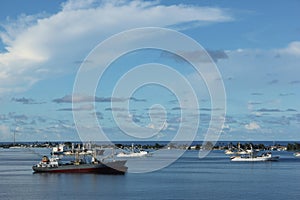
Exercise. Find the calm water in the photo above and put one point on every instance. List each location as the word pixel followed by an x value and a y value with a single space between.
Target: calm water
pixel 214 177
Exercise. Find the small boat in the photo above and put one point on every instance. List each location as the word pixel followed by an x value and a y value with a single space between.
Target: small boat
pixel 133 153
pixel 141 153
pixel 297 154
pixel 253 157
pixel 238 151
pixel 54 165
pixel 229 152
pixel 264 157
pixel 61 149
pixel 15 147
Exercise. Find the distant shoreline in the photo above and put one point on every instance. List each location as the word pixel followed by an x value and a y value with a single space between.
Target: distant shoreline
pixel 195 145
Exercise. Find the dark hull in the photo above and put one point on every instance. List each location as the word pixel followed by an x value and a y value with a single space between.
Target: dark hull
pixel 117 167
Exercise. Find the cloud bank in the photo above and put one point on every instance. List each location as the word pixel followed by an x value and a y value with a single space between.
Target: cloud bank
pixel 40 46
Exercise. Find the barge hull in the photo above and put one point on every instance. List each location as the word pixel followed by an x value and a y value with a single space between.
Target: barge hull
pixel 117 167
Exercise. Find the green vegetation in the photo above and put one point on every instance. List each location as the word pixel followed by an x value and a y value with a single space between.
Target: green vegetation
pixel 205 146
pixel 293 147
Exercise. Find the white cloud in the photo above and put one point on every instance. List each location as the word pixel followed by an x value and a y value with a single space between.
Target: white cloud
pixel 252 126
pixel 293 48
pixel 5 134
pixel 40 46
pixel 254 69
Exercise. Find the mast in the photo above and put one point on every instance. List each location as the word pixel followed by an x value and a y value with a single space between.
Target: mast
pixel 77 158
pixel 14 137
pixel 72 148
pixel 132 147
pixel 113 153
pixel 252 152
pixel 77 155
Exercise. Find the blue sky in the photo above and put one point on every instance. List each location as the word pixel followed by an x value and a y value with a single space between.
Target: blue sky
pixel 255 45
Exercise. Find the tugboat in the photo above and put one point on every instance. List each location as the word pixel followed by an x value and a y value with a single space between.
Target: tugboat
pixel 54 165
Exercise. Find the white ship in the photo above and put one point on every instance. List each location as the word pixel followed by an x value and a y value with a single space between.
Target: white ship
pixel 253 157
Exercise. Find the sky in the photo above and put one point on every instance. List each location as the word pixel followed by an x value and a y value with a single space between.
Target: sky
pixel 253 49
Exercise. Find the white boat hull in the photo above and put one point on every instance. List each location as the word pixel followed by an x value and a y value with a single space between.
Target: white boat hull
pixel 297 154
pixel 132 155
pixel 267 157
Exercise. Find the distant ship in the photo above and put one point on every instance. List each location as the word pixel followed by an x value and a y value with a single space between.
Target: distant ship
pixel 53 165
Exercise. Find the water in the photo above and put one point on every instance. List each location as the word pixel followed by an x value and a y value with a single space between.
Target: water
pixel 213 177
